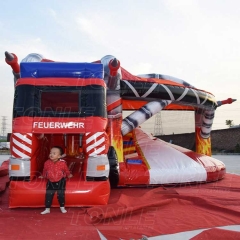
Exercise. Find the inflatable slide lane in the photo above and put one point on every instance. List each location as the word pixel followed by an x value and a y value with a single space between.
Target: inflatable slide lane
pixel 149 161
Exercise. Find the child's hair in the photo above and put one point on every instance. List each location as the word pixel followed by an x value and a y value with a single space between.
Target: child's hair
pixel 60 149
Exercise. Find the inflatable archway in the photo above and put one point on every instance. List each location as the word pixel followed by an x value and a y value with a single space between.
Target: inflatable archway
pixel 79 107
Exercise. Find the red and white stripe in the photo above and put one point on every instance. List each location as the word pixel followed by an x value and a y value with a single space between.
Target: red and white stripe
pixel 21 145
pixel 96 143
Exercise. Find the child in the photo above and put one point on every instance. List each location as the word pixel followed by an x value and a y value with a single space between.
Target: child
pixel 56 171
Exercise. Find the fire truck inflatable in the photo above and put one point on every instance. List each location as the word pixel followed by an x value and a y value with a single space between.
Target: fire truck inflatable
pixel 78 106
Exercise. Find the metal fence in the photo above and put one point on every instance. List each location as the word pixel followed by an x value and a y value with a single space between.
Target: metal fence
pixel 5 152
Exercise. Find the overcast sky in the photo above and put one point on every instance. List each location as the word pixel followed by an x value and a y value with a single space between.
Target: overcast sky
pixel 195 40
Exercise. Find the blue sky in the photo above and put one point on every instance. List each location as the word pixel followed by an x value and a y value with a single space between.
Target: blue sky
pixel 195 40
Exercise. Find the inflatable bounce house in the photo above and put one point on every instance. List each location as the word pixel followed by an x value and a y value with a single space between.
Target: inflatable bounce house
pixel 79 107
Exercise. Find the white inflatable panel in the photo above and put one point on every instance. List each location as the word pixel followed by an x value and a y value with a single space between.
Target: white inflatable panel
pixel 168 165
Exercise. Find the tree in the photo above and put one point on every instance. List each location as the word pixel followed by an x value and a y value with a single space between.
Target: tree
pixel 237 148
pixel 229 123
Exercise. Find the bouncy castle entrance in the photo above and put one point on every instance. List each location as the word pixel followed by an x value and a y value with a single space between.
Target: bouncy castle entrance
pixel 64 108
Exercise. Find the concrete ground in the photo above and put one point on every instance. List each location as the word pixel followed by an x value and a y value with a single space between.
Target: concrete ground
pixel 232 162
pixel 3 158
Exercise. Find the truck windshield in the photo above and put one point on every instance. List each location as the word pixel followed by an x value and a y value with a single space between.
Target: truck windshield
pixel 60 101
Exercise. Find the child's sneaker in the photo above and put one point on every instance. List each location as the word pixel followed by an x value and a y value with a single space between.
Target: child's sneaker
pixel 46 211
pixel 63 210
